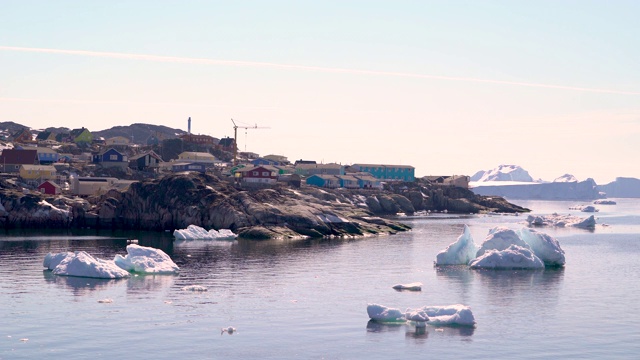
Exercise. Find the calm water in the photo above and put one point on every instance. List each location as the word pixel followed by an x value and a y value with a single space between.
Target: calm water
pixel 308 299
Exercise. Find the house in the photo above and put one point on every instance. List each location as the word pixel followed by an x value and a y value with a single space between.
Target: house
pixel 188 166
pixel 282 160
pixel 263 161
pixel 199 139
pixel 117 140
pixel 264 174
pixel 145 161
pixel 304 162
pixel 319 169
pixel 227 144
pixel 80 136
pixel 111 158
pixel 30 173
pixel 12 159
pixel 325 181
pixel 47 155
pixel 387 172
pixel 248 155
pixel 461 181
pixel 367 181
pixel 92 185
pixel 23 135
pixel 198 157
pixel 348 181
pixel 50 188
pixel 46 136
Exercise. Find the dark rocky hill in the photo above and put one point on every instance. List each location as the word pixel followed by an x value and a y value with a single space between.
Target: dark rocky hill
pixel 140 133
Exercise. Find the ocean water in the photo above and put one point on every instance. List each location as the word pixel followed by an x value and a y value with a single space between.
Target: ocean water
pixel 308 298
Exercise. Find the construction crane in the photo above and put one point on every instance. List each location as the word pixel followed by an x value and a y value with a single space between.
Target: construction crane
pixel 235 138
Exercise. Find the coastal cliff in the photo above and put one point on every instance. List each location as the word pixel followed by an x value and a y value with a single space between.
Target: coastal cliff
pixel 179 200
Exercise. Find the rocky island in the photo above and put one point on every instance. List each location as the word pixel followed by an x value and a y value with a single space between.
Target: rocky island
pixel 178 200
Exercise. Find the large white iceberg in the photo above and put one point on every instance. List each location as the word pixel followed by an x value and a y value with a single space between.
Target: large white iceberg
pixel 141 259
pixel 500 238
pixel 432 315
pixel 544 246
pixel 81 264
pixel 194 232
pixel 514 257
pixel 460 252
pixel 562 221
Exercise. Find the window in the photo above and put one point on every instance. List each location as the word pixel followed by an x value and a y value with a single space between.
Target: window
pixel 113 157
pixel 255 173
pixel 265 173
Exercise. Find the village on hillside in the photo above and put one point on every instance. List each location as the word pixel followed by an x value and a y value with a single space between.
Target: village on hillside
pixel 79 163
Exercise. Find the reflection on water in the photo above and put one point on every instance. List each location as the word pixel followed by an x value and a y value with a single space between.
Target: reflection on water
pixel 419 333
pixel 80 286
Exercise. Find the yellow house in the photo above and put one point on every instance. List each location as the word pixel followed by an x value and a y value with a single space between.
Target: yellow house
pixel 38 172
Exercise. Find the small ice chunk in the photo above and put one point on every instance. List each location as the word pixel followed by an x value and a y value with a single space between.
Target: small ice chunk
pixel 562 221
pixel 415 286
pixel 194 288
pixel 460 252
pixel 229 330
pixel 82 264
pixel 500 238
pixel 194 232
pixel 514 257
pixel 382 313
pixel 544 246
pixel 105 301
pixel 417 315
pixel 52 260
pixel 449 315
pixel 147 260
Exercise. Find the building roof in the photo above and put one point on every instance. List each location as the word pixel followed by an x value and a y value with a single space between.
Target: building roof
pixel 196 154
pixel 318 166
pixel 250 168
pixel 13 156
pixel 39 168
pixel 50 182
pixel 150 153
pixel 385 165
pixel 324 177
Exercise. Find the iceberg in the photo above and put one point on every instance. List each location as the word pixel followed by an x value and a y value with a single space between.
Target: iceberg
pixel 544 246
pixel 604 202
pixel 382 313
pixel 514 257
pixel 433 315
pixel 415 286
pixel 562 221
pixel 460 252
pixel 146 260
pixel 81 264
pixel 194 232
pixel 500 238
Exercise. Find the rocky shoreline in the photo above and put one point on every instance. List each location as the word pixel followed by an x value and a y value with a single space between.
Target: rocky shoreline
pixel 179 200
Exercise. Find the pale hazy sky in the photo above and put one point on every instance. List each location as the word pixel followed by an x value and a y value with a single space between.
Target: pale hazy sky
pixel 450 87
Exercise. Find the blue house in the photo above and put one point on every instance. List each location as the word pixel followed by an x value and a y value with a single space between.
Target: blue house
pixel 387 172
pixel 348 181
pixel 188 166
pixel 47 155
pixel 326 181
pixel 111 158
pixel 263 161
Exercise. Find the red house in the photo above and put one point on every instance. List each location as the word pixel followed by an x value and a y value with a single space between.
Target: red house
pixel 49 188
pixel 264 174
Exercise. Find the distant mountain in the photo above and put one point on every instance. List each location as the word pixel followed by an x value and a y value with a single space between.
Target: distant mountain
pixel 622 188
pixel 503 173
pixel 140 133
pixel 11 127
pixel 566 178
pixel 583 190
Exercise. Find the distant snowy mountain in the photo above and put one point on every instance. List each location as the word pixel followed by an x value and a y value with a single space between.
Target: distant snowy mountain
pixel 503 173
pixel 566 178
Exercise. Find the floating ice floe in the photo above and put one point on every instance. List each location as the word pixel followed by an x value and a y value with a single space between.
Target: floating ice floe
pixel 460 252
pixel 146 260
pixel 604 202
pixel 139 259
pixel 506 249
pixel 81 264
pixel 562 221
pixel 415 286
pixel 432 315
pixel 513 257
pixel 194 232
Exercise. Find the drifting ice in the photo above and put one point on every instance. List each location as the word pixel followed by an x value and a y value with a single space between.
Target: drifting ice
pixel 139 259
pixel 513 257
pixel 194 232
pixel 460 252
pixel 416 286
pixel 562 221
pixel 432 315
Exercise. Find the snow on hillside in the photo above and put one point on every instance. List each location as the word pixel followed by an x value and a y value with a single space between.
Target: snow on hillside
pixel 503 173
pixel 566 178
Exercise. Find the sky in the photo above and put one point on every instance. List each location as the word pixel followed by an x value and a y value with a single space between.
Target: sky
pixel 449 87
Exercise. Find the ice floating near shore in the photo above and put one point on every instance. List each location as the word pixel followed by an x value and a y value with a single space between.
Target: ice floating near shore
pixel 604 202
pixel 194 232
pixel 146 260
pixel 432 315
pixel 139 259
pixel 460 252
pixel 562 221
pixel 81 264
pixel 506 249
pixel 194 288
pixel 416 286
pixel 513 257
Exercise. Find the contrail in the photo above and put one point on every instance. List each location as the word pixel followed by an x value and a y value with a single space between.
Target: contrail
pixel 204 61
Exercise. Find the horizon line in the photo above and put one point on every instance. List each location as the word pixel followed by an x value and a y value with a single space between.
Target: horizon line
pixel 258 64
